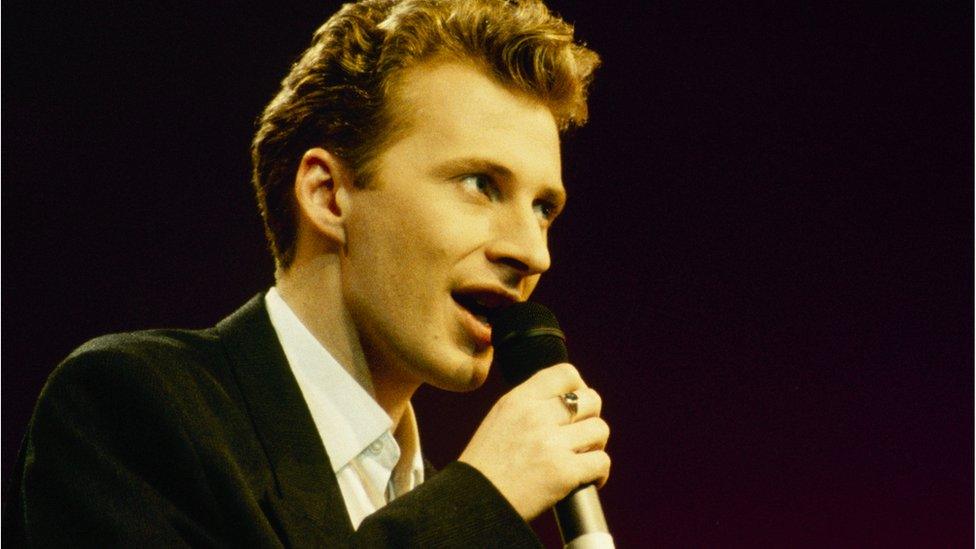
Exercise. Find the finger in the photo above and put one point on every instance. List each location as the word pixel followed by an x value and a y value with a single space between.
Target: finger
pixel 586 436
pixel 588 404
pixel 593 467
pixel 555 380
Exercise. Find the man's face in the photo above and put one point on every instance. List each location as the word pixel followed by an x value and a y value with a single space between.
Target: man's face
pixel 454 223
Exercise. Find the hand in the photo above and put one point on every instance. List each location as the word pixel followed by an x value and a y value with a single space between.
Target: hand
pixel 533 450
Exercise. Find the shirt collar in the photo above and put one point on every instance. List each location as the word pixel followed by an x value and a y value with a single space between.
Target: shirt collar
pixel 408 474
pixel 346 416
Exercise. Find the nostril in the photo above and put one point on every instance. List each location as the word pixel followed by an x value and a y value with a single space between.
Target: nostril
pixel 515 264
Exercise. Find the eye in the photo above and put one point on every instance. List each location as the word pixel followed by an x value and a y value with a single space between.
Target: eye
pixel 481 184
pixel 546 210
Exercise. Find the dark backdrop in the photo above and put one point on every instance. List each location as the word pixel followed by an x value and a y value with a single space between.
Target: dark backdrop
pixel 766 266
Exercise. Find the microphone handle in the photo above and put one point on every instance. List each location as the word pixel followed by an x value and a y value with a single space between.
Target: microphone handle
pixel 581 522
pixel 527 338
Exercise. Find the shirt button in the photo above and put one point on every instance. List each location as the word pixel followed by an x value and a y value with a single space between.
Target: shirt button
pixel 376 447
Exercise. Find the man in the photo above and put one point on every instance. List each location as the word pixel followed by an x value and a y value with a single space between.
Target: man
pixel 408 173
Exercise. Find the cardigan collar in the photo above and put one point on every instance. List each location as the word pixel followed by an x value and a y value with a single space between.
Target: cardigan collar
pixel 303 474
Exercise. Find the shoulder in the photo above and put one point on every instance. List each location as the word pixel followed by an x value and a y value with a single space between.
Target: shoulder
pixel 162 392
pixel 191 374
pixel 175 372
pixel 193 370
pixel 175 355
pixel 150 347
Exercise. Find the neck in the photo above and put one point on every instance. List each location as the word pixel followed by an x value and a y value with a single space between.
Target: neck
pixel 313 291
pixel 393 395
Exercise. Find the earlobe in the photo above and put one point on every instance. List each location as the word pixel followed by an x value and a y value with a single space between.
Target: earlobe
pixel 321 194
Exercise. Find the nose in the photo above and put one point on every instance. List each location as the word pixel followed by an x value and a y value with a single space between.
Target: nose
pixel 520 242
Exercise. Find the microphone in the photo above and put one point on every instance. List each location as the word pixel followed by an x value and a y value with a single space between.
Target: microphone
pixel 527 338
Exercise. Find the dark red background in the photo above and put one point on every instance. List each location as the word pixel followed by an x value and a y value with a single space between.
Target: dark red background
pixel 766 266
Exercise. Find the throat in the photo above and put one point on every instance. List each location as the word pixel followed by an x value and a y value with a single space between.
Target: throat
pixel 393 393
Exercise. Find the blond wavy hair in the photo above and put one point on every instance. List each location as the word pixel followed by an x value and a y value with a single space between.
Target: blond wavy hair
pixel 341 93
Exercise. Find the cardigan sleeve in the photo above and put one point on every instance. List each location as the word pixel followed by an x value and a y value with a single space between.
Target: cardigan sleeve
pixel 457 507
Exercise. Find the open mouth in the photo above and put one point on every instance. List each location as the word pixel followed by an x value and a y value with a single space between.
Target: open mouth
pixel 482 303
pixel 478 305
pixel 478 308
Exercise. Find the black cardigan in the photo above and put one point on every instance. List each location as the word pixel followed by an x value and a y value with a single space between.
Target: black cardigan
pixel 203 438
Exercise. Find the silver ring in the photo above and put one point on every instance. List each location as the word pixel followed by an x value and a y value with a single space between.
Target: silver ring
pixel 571 400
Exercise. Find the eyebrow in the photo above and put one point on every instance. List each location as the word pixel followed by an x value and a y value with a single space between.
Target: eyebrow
pixel 552 193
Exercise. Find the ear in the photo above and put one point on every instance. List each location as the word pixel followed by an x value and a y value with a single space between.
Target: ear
pixel 322 186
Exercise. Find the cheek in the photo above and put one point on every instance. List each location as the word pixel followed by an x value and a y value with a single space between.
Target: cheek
pixel 393 264
pixel 413 240
pixel 438 234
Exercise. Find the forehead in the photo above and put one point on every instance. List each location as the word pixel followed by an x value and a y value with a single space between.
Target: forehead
pixel 446 109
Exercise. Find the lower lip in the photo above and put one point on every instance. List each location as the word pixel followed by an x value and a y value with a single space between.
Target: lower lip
pixel 478 330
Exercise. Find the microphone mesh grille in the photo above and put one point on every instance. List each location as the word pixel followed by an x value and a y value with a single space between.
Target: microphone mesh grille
pixel 521 348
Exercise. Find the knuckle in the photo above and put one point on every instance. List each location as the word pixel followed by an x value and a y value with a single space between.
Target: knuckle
pixel 605 471
pixel 574 475
pixel 567 369
pixel 534 378
pixel 554 470
pixel 597 399
pixel 586 472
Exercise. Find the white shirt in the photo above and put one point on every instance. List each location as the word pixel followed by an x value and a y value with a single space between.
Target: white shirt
pixel 355 430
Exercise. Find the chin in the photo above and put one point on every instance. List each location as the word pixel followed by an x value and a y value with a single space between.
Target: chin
pixel 467 377
pixel 476 380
